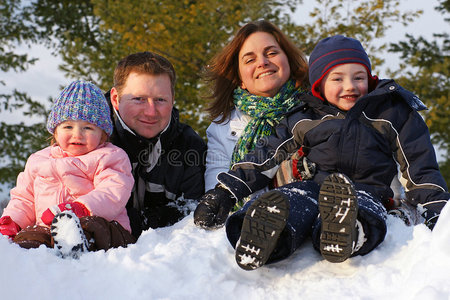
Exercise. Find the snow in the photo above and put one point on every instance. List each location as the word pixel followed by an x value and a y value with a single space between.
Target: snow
pixel 64 235
pixel 186 262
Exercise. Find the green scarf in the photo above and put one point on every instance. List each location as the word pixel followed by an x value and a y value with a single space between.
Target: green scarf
pixel 266 113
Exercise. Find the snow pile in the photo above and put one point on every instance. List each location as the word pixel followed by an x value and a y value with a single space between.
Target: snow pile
pixel 185 262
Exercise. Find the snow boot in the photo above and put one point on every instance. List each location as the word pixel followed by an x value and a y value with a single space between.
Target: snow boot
pixel 409 214
pixel 68 237
pixel 263 223
pixel 338 209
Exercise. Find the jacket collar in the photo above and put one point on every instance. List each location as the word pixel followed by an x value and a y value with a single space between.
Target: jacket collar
pixel 320 105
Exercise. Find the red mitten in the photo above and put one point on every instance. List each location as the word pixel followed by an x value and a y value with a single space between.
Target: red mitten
pixel 302 167
pixel 8 227
pixel 78 208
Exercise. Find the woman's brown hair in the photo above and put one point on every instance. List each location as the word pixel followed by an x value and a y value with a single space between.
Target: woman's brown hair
pixel 223 70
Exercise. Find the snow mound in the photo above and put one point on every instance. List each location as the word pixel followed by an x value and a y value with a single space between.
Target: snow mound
pixel 186 262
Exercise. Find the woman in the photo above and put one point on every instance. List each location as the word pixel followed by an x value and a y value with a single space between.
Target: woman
pixel 256 78
pixel 358 134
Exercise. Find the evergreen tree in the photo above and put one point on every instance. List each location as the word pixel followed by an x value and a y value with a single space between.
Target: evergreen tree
pixel 92 35
pixel 17 140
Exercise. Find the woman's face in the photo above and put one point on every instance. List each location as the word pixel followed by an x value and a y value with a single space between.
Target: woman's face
pixel 263 65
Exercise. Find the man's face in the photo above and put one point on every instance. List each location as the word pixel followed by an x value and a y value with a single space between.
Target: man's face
pixel 145 104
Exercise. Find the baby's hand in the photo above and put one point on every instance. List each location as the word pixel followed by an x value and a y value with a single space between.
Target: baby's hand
pixel 79 209
pixel 8 227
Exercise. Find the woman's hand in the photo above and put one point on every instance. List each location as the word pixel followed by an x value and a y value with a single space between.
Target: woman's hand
pixel 214 207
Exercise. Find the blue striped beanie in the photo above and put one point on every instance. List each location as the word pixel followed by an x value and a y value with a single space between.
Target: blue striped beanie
pixel 331 52
pixel 81 100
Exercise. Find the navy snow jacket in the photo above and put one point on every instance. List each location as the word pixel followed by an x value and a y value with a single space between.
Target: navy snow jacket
pixel 379 134
pixel 168 171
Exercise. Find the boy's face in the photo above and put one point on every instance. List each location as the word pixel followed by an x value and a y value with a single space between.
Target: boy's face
pixel 344 85
pixel 78 137
pixel 145 104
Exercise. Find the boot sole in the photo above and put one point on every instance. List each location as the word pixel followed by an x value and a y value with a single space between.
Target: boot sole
pixel 338 209
pixel 263 223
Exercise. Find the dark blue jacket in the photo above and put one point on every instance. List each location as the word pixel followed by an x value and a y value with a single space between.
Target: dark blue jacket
pixel 380 133
pixel 166 189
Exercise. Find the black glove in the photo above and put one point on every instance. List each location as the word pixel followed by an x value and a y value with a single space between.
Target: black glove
pixel 214 207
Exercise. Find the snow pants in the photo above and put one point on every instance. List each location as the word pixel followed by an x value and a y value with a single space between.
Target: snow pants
pixel 304 220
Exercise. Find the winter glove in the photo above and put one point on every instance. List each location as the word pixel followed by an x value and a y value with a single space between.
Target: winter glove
pixel 214 207
pixel 296 168
pixel 8 227
pixel 78 208
pixel 402 215
pixel 104 235
pixel 303 168
pixel 405 211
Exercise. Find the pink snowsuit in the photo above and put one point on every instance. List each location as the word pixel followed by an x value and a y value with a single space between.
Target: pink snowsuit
pixel 100 179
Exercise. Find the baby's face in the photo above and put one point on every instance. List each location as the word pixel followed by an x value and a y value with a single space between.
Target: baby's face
pixel 78 137
pixel 344 85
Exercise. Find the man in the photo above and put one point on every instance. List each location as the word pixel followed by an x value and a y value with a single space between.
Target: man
pixel 167 156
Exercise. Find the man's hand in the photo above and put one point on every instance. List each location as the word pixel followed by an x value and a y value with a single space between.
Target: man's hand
pixel 214 207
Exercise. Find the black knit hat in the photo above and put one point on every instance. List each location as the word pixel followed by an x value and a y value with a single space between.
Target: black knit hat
pixel 333 51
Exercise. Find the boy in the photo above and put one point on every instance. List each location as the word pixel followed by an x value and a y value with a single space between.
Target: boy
pixel 352 130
